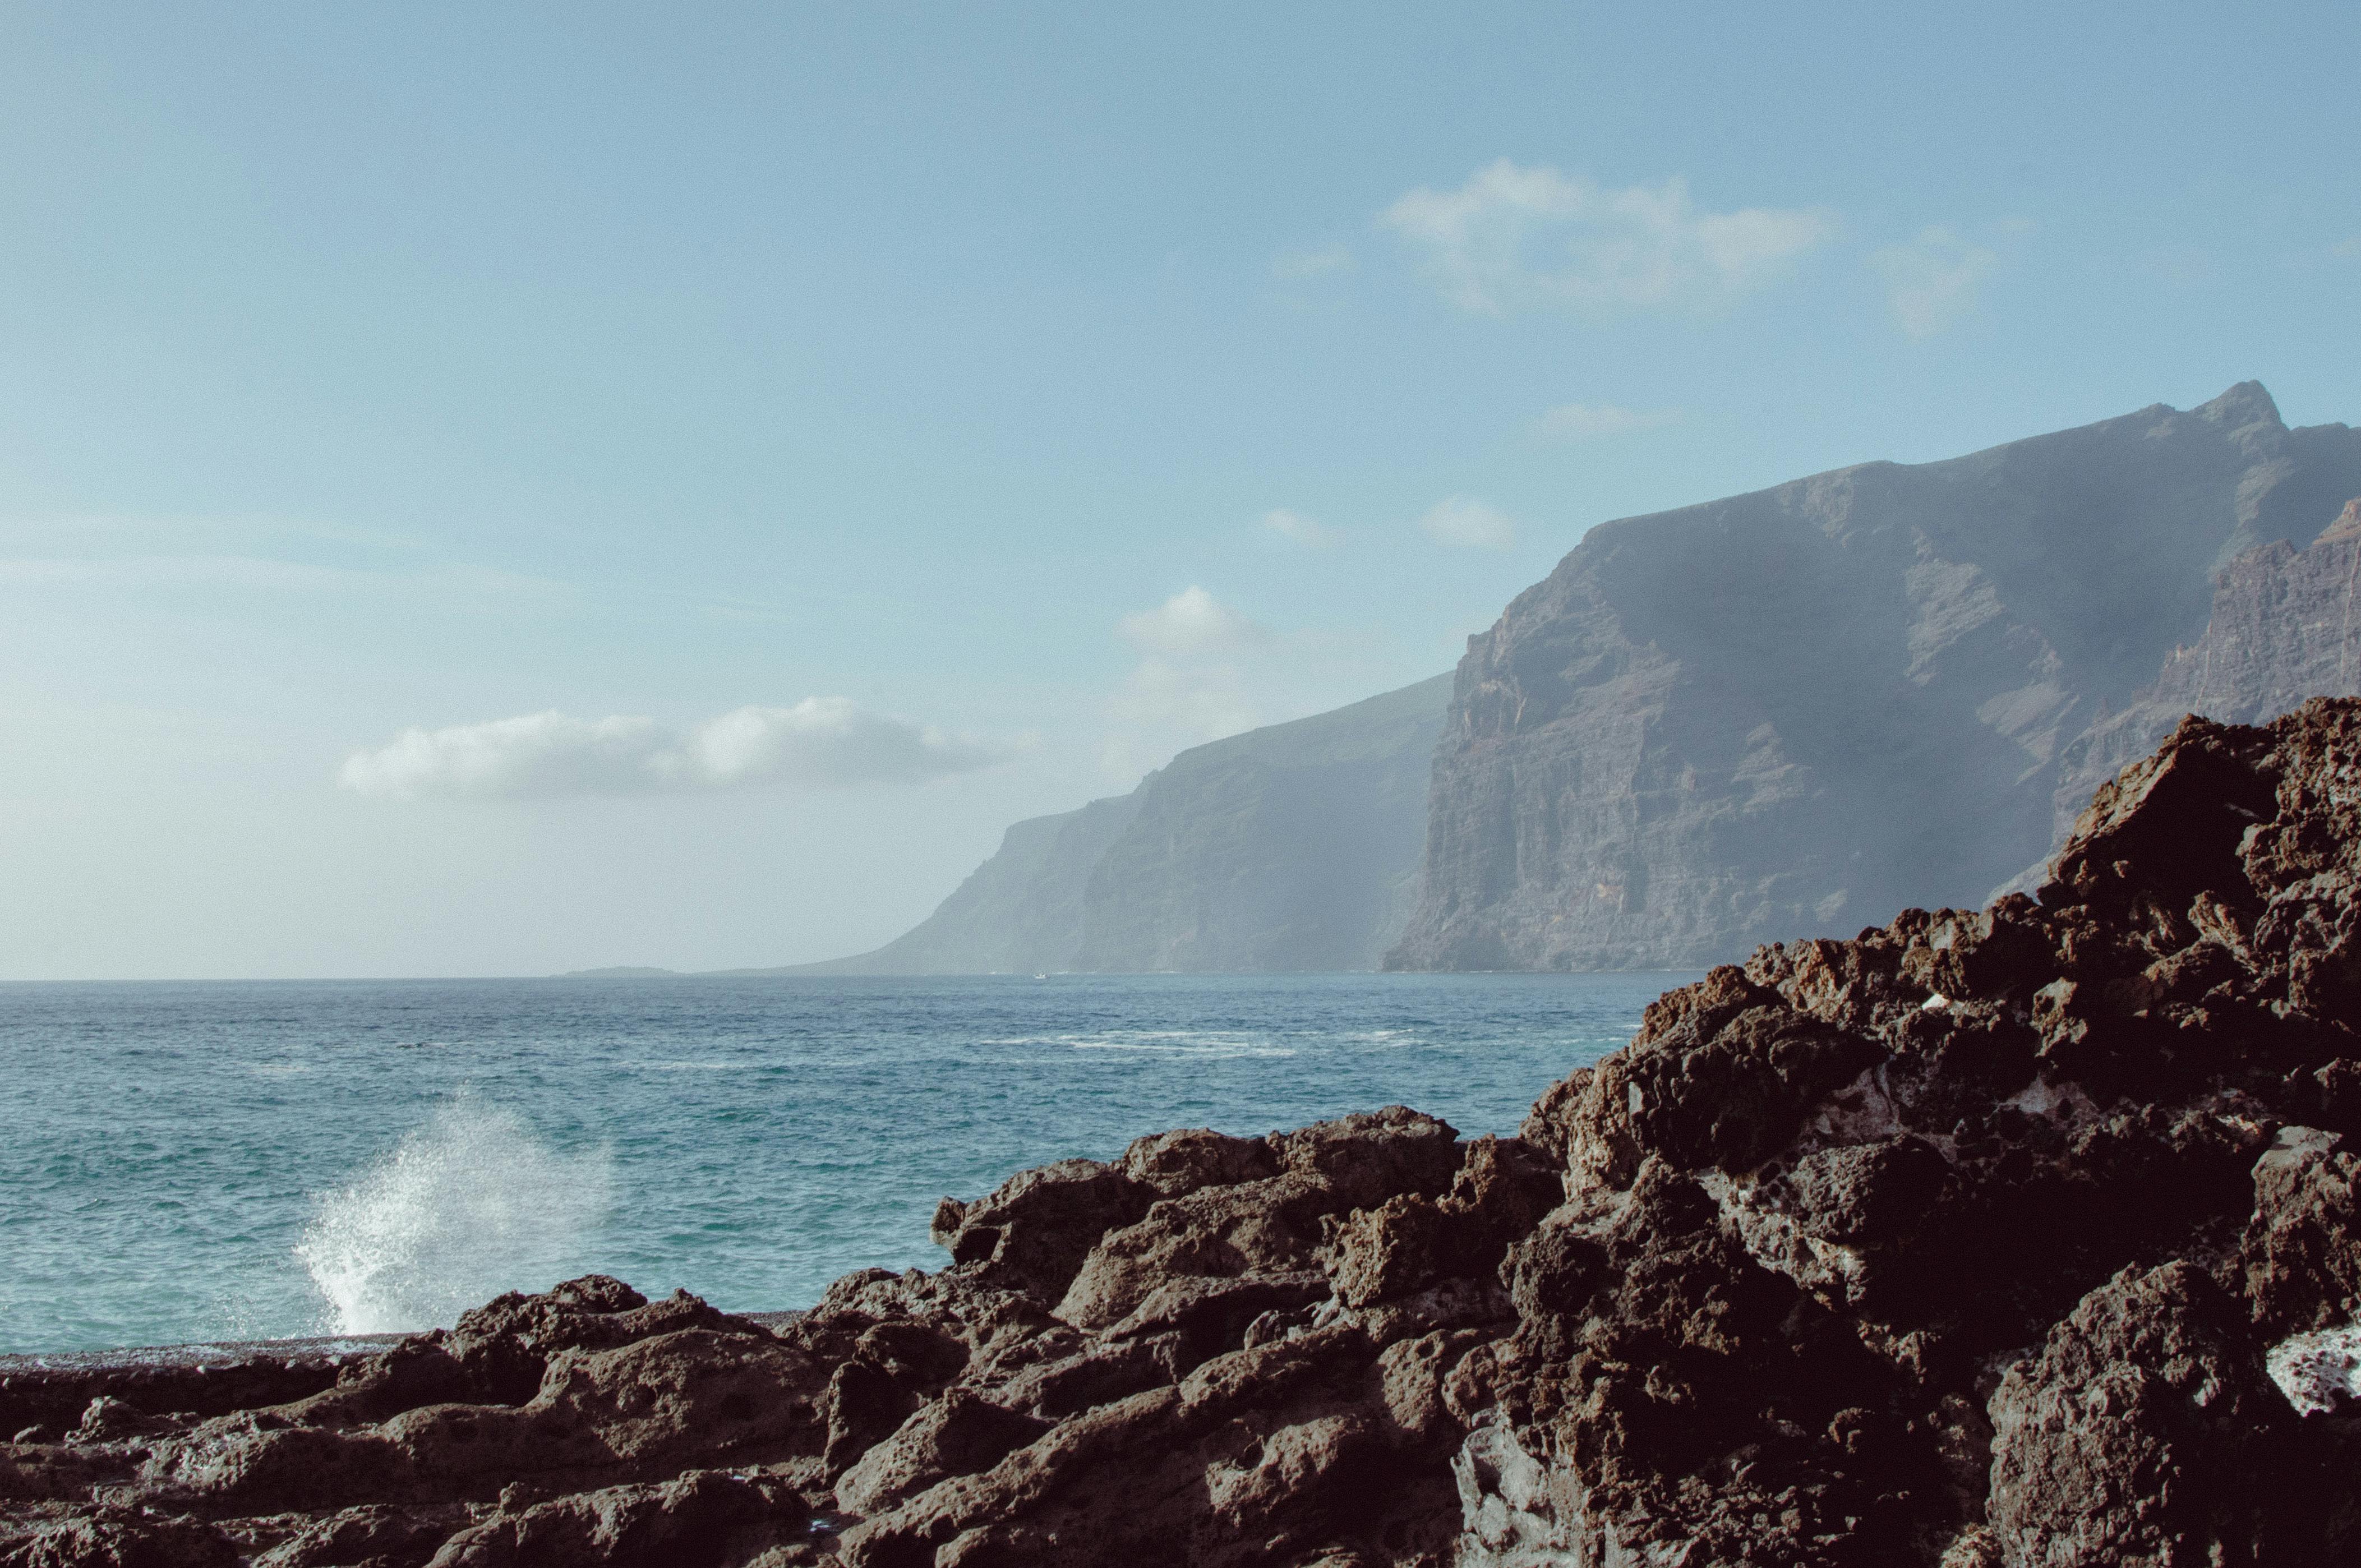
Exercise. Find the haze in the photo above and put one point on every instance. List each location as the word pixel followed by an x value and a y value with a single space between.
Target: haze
pixel 500 493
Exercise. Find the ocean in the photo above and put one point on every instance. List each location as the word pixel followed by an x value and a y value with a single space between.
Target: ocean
pixel 207 1161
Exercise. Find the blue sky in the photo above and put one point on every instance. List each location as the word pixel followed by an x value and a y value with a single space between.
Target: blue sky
pixel 897 421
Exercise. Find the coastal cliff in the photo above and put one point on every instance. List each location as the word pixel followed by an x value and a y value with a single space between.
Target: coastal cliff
pixel 1293 847
pixel 2283 628
pixel 1792 712
pixel 1021 911
pixel 2022 1236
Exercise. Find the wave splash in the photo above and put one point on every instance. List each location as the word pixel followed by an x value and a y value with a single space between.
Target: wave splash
pixel 468 1206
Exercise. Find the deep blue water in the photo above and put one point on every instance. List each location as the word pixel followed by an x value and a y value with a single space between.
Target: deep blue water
pixel 203 1161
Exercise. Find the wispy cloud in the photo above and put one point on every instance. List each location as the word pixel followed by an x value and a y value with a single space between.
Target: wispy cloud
pixel 189 535
pixel 243 555
pixel 1296 528
pixel 1192 621
pixel 1516 238
pixel 1469 523
pixel 1201 669
pixel 231 572
pixel 1169 703
pixel 1594 422
pixel 819 743
pixel 1932 282
pixel 1294 265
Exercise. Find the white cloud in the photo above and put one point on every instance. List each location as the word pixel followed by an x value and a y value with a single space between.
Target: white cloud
pixel 1296 527
pixel 1205 671
pixel 1192 622
pixel 2346 249
pixel 1932 282
pixel 821 742
pixel 1297 265
pixel 1592 422
pixel 1513 238
pixel 1467 522
pixel 1191 699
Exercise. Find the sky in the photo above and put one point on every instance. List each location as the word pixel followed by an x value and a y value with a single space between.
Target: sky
pixel 498 490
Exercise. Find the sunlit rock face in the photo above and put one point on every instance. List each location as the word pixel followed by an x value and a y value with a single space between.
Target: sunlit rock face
pixel 1795 712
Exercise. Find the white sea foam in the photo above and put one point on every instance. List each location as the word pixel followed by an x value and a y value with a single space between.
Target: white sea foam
pixel 1156 1042
pixel 468 1206
pixel 1180 1043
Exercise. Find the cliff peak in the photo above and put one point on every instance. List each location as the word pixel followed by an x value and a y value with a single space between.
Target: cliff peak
pixel 1794 711
pixel 2244 404
pixel 2347 526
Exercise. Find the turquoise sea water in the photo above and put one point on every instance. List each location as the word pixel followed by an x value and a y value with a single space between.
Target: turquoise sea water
pixel 203 1161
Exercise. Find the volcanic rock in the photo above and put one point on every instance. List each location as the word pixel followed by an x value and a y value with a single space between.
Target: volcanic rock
pixel 2022 1236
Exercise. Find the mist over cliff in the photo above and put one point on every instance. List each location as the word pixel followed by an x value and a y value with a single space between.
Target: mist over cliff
pixel 1789 713
pixel 1293 847
pixel 1799 711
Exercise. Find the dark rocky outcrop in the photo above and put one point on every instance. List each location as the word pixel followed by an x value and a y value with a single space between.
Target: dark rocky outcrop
pixel 1784 714
pixel 2284 627
pixel 1293 847
pixel 2022 1237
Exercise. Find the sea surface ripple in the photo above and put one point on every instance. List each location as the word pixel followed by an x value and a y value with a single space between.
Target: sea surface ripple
pixel 199 1161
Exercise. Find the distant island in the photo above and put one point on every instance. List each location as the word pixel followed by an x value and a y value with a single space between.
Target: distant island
pixel 617 972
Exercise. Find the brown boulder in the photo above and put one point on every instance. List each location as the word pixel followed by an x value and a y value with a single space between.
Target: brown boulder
pixel 2143 1435
pixel 1174 1164
pixel 395 1538
pixel 1032 1233
pixel 111 1538
pixel 958 1434
pixel 700 1520
pixel 2302 1247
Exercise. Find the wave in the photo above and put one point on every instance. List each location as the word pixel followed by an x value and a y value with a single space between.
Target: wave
pixel 468 1206
pixel 1156 1042
pixel 1181 1044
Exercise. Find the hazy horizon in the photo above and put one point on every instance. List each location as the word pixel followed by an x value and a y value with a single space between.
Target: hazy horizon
pixel 495 495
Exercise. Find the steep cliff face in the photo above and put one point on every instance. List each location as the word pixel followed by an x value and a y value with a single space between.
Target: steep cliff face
pixel 1802 709
pixel 2283 629
pixel 1293 847
pixel 1021 910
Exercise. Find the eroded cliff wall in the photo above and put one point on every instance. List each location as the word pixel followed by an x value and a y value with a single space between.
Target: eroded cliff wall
pixel 2283 629
pixel 1803 709
pixel 1021 910
pixel 1296 847
pixel 1293 847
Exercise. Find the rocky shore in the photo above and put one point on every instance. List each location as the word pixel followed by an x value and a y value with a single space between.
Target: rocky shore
pixel 2019 1236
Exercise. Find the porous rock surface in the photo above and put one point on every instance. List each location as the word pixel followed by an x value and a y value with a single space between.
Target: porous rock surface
pixel 2022 1237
